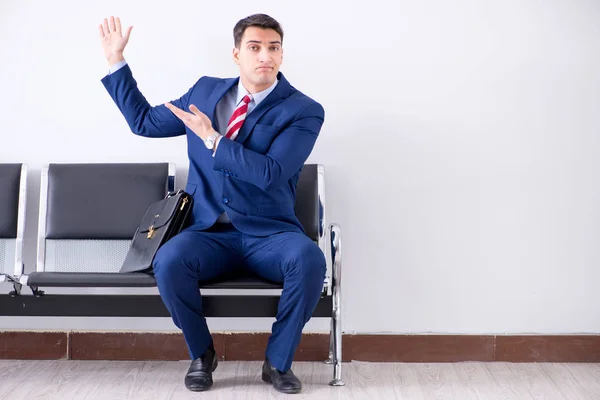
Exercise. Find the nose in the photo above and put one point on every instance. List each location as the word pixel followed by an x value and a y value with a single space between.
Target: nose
pixel 264 56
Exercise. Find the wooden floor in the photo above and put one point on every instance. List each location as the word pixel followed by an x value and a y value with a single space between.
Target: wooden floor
pixel 83 380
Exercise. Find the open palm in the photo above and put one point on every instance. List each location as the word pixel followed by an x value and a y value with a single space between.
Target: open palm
pixel 112 38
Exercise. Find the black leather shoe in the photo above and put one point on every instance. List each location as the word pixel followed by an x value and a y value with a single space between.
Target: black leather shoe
pixel 285 382
pixel 199 375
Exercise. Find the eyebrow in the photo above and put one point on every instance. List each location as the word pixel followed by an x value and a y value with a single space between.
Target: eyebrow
pixel 259 42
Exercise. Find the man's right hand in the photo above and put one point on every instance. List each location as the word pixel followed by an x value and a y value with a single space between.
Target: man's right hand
pixel 113 40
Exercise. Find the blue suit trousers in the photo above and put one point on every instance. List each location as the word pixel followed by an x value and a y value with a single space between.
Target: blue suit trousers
pixel 290 258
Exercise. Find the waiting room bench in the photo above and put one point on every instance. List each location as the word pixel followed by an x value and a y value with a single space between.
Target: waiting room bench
pixel 88 216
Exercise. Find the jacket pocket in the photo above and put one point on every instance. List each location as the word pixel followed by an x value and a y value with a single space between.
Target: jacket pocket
pixel 261 138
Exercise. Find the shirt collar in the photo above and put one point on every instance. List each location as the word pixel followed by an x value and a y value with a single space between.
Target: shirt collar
pixel 256 97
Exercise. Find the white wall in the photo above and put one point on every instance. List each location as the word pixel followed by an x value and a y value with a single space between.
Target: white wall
pixel 461 143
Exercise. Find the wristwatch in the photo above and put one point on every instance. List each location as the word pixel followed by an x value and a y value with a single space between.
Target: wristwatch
pixel 209 142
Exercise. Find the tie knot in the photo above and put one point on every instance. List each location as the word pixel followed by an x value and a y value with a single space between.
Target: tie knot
pixel 247 99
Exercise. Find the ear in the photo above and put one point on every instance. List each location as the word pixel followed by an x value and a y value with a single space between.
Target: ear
pixel 236 55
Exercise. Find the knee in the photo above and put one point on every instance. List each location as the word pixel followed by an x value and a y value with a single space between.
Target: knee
pixel 168 264
pixel 306 262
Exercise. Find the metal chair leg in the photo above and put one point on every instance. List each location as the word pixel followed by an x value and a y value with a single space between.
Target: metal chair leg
pixel 330 359
pixel 336 320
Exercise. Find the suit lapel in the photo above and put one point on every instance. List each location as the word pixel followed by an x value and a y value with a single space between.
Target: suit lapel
pixel 280 92
pixel 216 95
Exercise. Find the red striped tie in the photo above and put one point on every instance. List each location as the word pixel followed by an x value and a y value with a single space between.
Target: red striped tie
pixel 237 118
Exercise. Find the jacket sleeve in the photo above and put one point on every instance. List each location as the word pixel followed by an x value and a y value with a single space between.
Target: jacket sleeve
pixel 142 118
pixel 287 154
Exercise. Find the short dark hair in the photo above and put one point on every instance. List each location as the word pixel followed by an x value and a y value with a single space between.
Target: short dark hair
pixel 260 20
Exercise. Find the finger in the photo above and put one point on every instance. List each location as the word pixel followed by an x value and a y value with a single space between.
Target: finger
pixel 128 32
pixel 118 25
pixel 171 107
pixel 111 24
pixel 177 111
pixel 196 111
pixel 101 31
pixel 105 27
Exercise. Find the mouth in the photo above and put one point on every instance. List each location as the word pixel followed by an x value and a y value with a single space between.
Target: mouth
pixel 263 69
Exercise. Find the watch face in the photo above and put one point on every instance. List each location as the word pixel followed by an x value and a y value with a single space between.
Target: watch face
pixel 209 142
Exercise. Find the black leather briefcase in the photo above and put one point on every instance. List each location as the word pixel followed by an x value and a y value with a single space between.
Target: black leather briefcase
pixel 163 220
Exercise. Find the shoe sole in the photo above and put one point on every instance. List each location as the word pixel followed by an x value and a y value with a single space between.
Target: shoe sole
pixel 199 389
pixel 267 378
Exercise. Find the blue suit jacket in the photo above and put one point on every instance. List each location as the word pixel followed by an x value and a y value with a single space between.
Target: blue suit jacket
pixel 252 178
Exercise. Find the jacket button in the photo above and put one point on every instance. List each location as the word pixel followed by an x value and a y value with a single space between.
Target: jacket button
pixel 225 200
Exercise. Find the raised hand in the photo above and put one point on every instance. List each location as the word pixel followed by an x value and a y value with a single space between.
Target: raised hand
pixel 112 39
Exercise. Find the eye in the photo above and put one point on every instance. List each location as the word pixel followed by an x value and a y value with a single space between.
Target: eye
pixel 253 48
pixel 275 48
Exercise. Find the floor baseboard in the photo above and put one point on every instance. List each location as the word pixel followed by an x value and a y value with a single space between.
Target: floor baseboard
pixel 140 346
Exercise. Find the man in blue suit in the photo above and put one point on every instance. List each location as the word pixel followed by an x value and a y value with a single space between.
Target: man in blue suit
pixel 248 138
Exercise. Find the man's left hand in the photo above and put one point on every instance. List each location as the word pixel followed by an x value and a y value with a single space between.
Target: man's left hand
pixel 197 121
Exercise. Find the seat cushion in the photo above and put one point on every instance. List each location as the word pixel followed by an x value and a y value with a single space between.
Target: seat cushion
pixel 240 281
pixel 89 279
pixel 108 279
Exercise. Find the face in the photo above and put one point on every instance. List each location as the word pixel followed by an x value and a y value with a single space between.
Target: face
pixel 259 57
